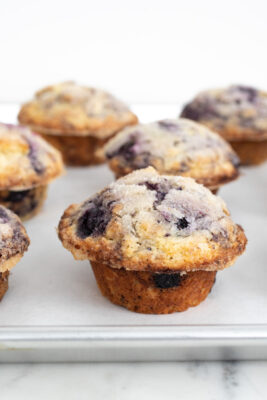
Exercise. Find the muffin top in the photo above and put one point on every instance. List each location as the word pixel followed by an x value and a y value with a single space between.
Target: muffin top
pixel 26 160
pixel 175 147
pixel 237 112
pixel 14 240
pixel 150 222
pixel 70 109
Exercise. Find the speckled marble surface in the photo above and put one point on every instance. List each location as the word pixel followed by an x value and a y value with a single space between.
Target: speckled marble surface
pixel 131 381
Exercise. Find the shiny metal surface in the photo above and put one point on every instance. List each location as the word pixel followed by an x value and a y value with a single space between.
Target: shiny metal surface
pixel 137 343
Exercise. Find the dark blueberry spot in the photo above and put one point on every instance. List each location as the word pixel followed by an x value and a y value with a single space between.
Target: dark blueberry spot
pixel 151 186
pixel 33 156
pixel 161 189
pixel 199 111
pixel 17 196
pixel 166 281
pixel 4 218
pixel 250 93
pixel 191 112
pixel 161 196
pixel 21 202
pixel 128 150
pixel 94 220
pixel 182 223
pixel 110 203
pixel 168 125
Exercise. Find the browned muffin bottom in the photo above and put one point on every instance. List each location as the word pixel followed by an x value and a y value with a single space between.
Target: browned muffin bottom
pixel 77 150
pixel 251 152
pixel 3 283
pixel 153 293
pixel 25 203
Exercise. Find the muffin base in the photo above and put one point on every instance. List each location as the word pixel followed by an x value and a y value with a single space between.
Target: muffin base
pixel 152 293
pixel 251 152
pixel 78 150
pixel 3 283
pixel 24 203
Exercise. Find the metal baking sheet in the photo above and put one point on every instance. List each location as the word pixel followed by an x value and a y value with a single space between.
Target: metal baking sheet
pixel 53 310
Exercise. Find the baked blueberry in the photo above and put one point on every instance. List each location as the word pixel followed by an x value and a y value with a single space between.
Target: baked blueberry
pixel 174 147
pixel 94 220
pixel 166 281
pixel 239 114
pixel 155 242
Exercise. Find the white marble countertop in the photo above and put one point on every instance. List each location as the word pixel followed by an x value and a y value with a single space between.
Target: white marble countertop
pixel 132 381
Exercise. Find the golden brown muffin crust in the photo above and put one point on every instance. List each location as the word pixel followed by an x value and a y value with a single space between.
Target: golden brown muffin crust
pixel 174 147
pixel 149 222
pixel 71 109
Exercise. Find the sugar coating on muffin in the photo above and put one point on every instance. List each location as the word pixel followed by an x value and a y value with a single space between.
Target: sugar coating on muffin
pixel 151 222
pixel 239 114
pixel 26 160
pixel 71 109
pixel 176 147
pixel 14 240
pixel 236 112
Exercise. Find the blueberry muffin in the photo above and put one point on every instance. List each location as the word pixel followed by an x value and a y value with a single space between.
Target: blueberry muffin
pixel 14 241
pixel 27 165
pixel 174 147
pixel 239 115
pixel 155 242
pixel 77 120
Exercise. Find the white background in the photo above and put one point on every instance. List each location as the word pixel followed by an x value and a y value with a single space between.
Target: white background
pixel 142 50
